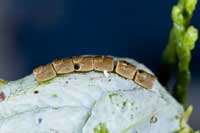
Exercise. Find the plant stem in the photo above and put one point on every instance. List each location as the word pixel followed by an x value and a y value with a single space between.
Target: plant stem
pixel 181 42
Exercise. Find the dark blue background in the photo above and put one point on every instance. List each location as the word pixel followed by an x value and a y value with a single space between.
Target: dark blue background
pixel 43 30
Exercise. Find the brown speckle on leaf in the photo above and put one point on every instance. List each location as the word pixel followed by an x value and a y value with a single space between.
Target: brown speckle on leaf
pixel 39 120
pixel 2 96
pixel 154 119
pixel 36 92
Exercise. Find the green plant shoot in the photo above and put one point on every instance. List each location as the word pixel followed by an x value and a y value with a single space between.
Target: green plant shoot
pixel 101 128
pixel 182 41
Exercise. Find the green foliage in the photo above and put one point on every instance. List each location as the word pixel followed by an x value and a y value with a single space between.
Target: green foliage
pixel 2 82
pixel 184 127
pixel 182 41
pixel 101 128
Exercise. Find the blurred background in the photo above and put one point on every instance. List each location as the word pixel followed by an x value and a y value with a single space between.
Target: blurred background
pixel 34 32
